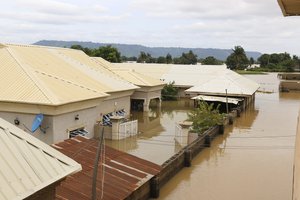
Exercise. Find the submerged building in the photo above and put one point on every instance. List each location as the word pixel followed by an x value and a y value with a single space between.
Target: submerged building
pixel 195 80
pixel 70 90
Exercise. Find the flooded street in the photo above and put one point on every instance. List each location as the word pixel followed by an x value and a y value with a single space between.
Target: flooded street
pixel 252 160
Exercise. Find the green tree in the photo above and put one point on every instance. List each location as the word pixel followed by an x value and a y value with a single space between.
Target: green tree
pixel 210 60
pixel 264 60
pixel 169 92
pixel 145 58
pixel 169 58
pixel 85 50
pixel 288 65
pixel 108 53
pixel 237 59
pixel 297 62
pixel 132 58
pixel 251 61
pixel 161 59
pixel 204 117
pixel 186 58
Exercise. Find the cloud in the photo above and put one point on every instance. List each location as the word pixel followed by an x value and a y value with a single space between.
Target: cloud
pixel 212 9
pixel 254 24
pixel 57 13
pixel 49 7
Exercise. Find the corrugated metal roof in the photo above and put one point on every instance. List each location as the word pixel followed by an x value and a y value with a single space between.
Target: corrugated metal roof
pixel 217 98
pixel 154 70
pixel 95 68
pixel 138 78
pixel 129 75
pixel 42 75
pixel 124 173
pixel 235 84
pixel 289 7
pixel 27 164
pixel 209 79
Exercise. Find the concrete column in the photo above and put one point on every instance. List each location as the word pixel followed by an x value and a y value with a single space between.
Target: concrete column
pixel 154 187
pixel 187 158
pixel 221 129
pixel 159 102
pixel 146 104
pixel 207 141
pixel 116 121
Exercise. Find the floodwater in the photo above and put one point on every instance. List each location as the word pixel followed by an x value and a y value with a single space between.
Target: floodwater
pixel 252 160
pixel 155 141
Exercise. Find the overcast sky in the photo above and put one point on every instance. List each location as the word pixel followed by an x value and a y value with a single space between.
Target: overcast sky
pixel 256 25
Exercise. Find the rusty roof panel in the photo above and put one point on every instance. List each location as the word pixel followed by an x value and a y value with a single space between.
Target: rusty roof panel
pixel 124 173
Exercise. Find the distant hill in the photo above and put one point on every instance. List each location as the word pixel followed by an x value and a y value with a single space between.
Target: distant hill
pixel 129 50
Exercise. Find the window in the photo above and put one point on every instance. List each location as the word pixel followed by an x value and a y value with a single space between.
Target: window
pixel 80 132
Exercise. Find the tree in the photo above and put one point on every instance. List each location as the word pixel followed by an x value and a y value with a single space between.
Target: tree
pixel 278 62
pixel 297 62
pixel 251 61
pixel 264 60
pixel 125 59
pixel 169 92
pixel 108 53
pixel 204 117
pixel 161 59
pixel 237 59
pixel 210 60
pixel 186 58
pixel 288 65
pixel 169 59
pixel 145 58
pixel 79 47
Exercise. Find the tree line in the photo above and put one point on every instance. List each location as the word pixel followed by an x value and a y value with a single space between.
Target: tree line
pixel 237 60
pixel 112 54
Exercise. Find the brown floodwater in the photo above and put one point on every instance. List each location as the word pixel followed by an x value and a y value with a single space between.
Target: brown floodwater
pixel 252 160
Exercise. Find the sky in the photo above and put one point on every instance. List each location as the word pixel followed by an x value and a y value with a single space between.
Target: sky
pixel 256 25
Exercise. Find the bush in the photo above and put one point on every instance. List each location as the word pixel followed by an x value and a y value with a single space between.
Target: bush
pixel 169 92
pixel 204 117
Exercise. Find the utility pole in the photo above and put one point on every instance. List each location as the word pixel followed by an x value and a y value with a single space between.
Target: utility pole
pixel 226 102
pixel 96 163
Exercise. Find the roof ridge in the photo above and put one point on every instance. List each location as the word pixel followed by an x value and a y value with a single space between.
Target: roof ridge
pixel 67 81
pixel 102 64
pixel 52 98
pixel 134 73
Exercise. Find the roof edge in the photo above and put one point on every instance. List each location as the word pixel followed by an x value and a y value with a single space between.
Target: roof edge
pixel 281 5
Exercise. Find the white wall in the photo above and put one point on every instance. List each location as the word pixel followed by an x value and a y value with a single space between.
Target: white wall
pixel 60 125
pixel 108 106
pixel 26 121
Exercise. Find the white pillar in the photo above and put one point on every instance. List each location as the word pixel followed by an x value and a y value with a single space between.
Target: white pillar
pixel 116 121
pixel 146 104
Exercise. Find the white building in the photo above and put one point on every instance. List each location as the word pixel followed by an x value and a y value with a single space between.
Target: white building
pixel 194 80
pixel 70 89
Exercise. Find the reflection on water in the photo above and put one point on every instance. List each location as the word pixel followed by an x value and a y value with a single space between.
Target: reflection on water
pixel 252 160
pixel 155 141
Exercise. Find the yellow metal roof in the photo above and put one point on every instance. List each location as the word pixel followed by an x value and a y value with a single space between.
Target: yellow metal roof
pixel 289 7
pixel 98 68
pixel 27 164
pixel 53 76
pixel 199 78
pixel 156 71
pixel 138 78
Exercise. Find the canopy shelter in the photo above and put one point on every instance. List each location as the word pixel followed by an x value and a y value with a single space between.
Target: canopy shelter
pixel 218 99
